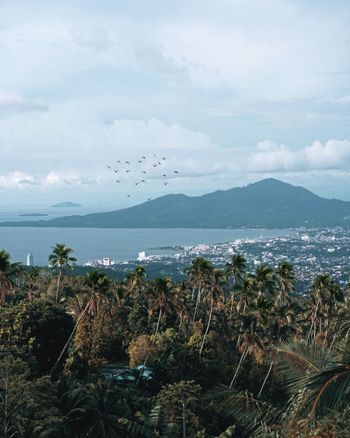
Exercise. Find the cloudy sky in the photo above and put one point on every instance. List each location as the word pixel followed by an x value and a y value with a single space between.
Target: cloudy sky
pixel 230 91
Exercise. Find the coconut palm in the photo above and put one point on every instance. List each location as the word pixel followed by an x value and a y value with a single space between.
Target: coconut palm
pixel 324 295
pixel 98 284
pixel 249 342
pixel 32 280
pixel 265 283
pixel 214 294
pixel 285 277
pixel 318 386
pixel 163 298
pixel 135 282
pixel 247 293
pixel 198 275
pixel 236 270
pixel 7 271
pixel 60 258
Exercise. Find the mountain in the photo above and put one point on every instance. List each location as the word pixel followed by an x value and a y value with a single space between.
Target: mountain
pixel 267 204
pixel 66 204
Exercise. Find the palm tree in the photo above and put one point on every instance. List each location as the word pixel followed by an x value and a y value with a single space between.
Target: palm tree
pixel 250 341
pixel 60 258
pixel 285 277
pixel 98 284
pixel 317 383
pixel 265 284
pixel 163 298
pixel 236 269
pixel 32 279
pixel 6 273
pixel 325 293
pixel 135 281
pixel 214 294
pixel 246 292
pixel 198 274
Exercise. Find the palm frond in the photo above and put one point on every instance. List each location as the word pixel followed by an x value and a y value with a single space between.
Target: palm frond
pixel 255 416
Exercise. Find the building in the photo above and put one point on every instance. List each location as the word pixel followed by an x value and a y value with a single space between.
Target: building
pixel 106 261
pixel 30 259
pixel 142 256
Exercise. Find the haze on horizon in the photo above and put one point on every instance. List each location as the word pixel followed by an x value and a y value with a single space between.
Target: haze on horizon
pixel 229 91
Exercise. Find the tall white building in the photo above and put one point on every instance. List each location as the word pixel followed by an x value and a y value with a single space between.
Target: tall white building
pixel 142 256
pixel 30 259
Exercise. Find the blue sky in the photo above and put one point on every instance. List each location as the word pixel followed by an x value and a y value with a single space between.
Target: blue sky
pixel 229 91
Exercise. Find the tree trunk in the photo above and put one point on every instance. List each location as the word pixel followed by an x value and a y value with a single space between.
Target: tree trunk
pixel 70 338
pixel 242 359
pixel 197 303
pixel 158 322
pixel 151 347
pixel 231 307
pixel 58 285
pixel 265 380
pixel 313 324
pixel 183 419
pixel 208 325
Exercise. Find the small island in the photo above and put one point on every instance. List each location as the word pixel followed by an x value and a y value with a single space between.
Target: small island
pixel 33 214
pixel 66 204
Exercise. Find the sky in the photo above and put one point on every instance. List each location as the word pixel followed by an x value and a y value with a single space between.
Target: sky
pixel 228 91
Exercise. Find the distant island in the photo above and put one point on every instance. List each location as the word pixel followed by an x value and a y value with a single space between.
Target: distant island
pixel 269 203
pixel 66 204
pixel 33 214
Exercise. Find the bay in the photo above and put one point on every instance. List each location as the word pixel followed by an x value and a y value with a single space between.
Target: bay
pixel 118 244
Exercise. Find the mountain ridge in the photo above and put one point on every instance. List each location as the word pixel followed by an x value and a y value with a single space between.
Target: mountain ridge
pixel 268 203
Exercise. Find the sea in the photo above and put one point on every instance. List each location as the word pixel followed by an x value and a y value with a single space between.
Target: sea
pixel 118 244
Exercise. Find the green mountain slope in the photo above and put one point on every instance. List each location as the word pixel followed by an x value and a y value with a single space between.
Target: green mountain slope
pixel 268 203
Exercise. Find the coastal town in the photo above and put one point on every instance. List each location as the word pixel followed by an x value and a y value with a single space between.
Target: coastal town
pixel 311 251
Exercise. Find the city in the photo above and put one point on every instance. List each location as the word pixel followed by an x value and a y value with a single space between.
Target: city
pixel 311 251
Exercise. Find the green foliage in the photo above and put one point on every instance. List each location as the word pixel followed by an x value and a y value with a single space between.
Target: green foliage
pixel 232 353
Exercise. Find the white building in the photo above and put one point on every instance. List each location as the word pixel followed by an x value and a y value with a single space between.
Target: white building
pixel 106 261
pixel 142 256
pixel 30 259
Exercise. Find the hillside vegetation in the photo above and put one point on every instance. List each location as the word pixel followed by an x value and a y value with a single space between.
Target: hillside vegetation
pixel 225 353
pixel 266 204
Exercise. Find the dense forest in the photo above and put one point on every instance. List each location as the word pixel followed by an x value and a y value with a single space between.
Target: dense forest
pixel 225 353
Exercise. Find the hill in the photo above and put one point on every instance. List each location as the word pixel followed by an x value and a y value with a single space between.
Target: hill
pixel 66 204
pixel 269 203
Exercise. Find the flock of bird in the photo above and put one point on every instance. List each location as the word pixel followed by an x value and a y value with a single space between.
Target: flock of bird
pixel 137 171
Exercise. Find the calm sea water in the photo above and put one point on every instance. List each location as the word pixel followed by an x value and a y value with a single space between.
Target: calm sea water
pixel 119 244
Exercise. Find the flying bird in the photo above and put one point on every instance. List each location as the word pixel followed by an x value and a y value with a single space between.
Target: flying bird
pixel 127 162
pixel 144 171
pixel 175 171
pixel 116 170
pixel 117 181
pixel 127 171
pixel 164 158
pixel 165 183
pixel 143 181
pixel 136 184
pixel 139 161
pixel 164 174
pixel 143 158
pixel 128 196
pixel 155 165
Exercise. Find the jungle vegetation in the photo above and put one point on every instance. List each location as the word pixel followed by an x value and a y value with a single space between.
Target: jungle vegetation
pixel 233 353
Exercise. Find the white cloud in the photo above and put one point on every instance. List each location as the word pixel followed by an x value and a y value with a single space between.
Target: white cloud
pixel 270 157
pixel 16 101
